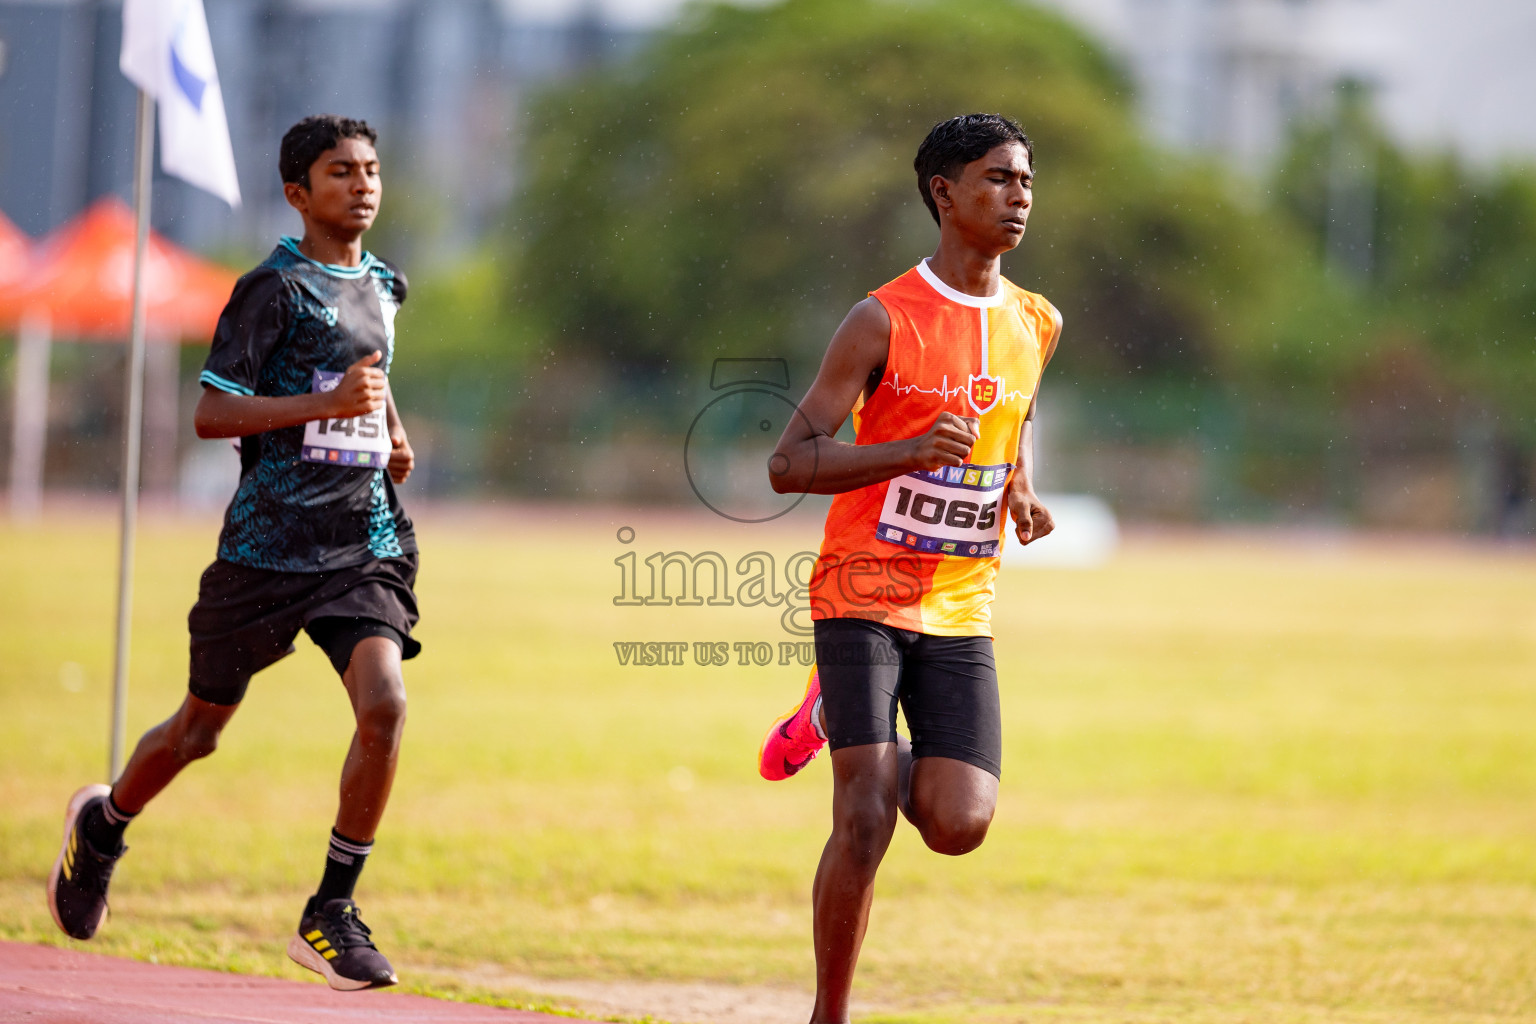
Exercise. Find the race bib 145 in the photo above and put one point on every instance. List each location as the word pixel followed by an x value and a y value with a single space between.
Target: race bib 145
pixel 955 510
pixel 358 441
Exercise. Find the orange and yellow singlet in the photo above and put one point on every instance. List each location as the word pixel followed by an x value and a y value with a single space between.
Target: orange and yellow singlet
pixel 920 552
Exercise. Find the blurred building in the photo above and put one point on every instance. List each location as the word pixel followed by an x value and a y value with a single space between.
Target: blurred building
pixel 1233 75
pixel 442 80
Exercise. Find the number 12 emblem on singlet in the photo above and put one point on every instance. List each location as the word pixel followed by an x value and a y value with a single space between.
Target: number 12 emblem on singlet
pixel 984 393
pixel 956 510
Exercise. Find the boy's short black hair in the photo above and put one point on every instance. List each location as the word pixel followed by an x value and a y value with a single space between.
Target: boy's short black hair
pixel 952 144
pixel 305 141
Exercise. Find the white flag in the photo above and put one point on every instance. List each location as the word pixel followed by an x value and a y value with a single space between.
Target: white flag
pixel 167 53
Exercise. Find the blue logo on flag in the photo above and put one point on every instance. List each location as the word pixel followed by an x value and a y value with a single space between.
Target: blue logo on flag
pixel 191 86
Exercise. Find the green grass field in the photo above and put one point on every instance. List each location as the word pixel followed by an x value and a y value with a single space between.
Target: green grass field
pixel 1244 781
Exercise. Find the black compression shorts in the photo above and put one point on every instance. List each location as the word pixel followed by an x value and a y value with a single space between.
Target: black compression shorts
pixel 947 687
pixel 246 619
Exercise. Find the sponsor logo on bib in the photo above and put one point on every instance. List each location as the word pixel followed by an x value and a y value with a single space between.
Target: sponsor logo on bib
pixel 954 510
pixel 361 441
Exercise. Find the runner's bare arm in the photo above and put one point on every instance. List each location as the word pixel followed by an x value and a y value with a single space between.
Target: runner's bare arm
pixel 1031 519
pixel 402 459
pixel 810 460
pixel 221 414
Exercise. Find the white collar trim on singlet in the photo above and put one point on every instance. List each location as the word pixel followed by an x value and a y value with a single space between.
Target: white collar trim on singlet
pixel 978 301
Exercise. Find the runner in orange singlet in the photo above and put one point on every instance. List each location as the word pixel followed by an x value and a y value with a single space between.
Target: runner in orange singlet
pixel 939 369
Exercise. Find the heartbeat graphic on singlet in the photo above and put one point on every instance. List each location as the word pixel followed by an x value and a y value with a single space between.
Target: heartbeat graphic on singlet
pixel 944 391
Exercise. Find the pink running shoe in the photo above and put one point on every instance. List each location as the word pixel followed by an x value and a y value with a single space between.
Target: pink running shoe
pixel 795 739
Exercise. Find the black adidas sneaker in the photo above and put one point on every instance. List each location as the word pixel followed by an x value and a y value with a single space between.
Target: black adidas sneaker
pixel 77 885
pixel 333 942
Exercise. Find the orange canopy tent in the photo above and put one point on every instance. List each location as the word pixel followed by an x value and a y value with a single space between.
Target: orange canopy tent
pixel 78 283
pixel 81 282
pixel 15 252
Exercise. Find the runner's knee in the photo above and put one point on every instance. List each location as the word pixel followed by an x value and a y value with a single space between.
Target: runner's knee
pixel 956 831
pixel 865 831
pixel 381 719
pixel 195 740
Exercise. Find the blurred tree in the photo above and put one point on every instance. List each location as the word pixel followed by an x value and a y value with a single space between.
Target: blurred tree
pixel 1449 285
pixel 749 177
pixel 458 368
pixel 738 186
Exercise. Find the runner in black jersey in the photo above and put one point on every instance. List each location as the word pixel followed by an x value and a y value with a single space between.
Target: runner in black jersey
pixel 314 539
pixel 288 320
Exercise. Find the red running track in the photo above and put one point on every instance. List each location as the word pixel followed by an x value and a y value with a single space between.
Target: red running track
pixel 48 985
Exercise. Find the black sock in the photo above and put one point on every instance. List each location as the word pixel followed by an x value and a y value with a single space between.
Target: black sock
pixel 344 861
pixel 103 824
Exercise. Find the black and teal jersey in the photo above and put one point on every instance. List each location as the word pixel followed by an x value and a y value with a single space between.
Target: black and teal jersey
pixel 287 319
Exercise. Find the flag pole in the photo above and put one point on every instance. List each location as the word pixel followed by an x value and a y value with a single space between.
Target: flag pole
pixel 143 170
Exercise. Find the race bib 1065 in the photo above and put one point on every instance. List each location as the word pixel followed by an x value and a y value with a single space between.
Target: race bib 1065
pixel 358 441
pixel 955 510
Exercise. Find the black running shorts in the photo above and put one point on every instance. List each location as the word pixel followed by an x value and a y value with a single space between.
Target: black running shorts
pixel 947 687
pixel 245 619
